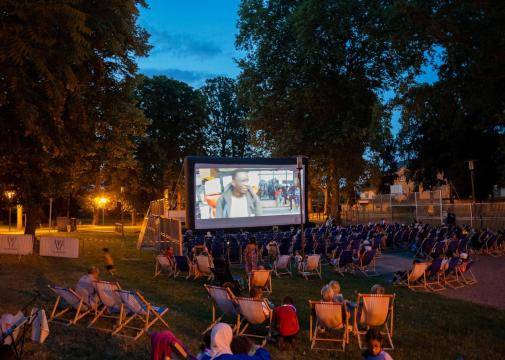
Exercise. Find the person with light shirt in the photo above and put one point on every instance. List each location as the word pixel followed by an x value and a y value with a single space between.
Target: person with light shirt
pixel 239 199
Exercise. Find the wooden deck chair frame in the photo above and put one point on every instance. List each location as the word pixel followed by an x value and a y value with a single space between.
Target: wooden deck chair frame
pixel 315 271
pixel 127 315
pixel 257 277
pixel 469 279
pixel 280 271
pixel 80 308
pixel 215 306
pixel 198 273
pixel 386 323
pixel 365 269
pixel 416 277
pixel 436 284
pixel 315 324
pixel 453 280
pixel 104 311
pixel 244 323
pixel 162 263
pixel 177 272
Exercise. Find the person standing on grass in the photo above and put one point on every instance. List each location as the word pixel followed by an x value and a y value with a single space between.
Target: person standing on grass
pixel 109 261
pixel 251 254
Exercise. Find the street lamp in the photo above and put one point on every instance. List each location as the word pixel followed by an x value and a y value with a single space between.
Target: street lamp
pixel 102 201
pixel 299 167
pixel 9 194
pixel 471 167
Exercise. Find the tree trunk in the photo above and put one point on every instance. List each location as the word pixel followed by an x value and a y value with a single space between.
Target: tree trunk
pixel 96 216
pixel 133 218
pixel 325 209
pixel 334 192
pixel 31 219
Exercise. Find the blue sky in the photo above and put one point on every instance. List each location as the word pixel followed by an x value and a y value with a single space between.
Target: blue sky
pixel 195 40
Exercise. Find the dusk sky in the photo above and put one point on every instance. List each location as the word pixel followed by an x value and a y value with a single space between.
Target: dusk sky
pixel 195 40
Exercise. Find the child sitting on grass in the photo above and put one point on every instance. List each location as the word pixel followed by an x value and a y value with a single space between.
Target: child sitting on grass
pixel 374 340
pixel 241 345
pixel 285 321
pixel 298 261
pixel 109 261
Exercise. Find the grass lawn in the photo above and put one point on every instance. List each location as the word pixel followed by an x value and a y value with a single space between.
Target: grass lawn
pixel 427 326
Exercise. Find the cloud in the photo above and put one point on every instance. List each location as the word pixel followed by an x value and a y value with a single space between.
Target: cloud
pixel 182 45
pixel 194 78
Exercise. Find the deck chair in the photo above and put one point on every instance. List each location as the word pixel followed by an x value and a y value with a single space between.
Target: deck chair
pixel 282 266
pixel 203 267
pixel 433 273
pixel 68 302
pixel 254 312
pixel 10 328
pixel 168 347
pixel 377 311
pixel 451 276
pixel 182 265
pixel 224 300
pixel 312 266
pixel 466 273
pixel 366 263
pixel 415 278
pixel 110 305
pixel 135 306
pixel 344 263
pixel 328 317
pixel 163 264
pixel 261 279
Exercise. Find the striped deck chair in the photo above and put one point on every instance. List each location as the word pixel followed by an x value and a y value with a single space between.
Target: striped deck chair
pixel 282 266
pixel 224 300
pixel 366 263
pixel 451 276
pixel 261 279
pixel 465 271
pixel 254 312
pixel 10 328
pixel 182 265
pixel 163 264
pixel 415 278
pixel 110 305
pixel 135 307
pixel 203 267
pixel 312 266
pixel 68 302
pixel 344 263
pixel 377 311
pixel 328 317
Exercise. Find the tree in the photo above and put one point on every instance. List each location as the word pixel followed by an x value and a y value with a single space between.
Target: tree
pixel 460 116
pixel 178 118
pixel 312 72
pixel 61 62
pixel 227 133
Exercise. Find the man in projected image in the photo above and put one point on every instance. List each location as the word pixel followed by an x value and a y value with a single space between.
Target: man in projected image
pixel 239 199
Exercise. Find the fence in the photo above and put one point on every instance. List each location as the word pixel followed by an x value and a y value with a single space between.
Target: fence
pixel 427 207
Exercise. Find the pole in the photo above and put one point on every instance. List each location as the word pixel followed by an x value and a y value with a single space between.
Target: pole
pixel 103 215
pixel 50 213
pixel 10 208
pixel 441 212
pixel 473 185
pixel 302 234
pixel 415 198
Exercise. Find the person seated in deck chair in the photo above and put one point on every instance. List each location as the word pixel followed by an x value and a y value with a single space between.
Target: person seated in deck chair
pixel 327 293
pixel 337 294
pixel 285 321
pixel 85 287
pixel 378 289
pixel 374 340
pixel 221 337
pixel 257 293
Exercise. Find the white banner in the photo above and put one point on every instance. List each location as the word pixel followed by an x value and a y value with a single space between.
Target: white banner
pixel 59 247
pixel 16 244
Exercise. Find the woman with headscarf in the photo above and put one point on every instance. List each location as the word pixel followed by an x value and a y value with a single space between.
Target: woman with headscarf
pixel 220 341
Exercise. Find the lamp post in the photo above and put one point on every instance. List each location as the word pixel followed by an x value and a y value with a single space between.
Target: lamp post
pixel 122 200
pixel 102 201
pixel 9 194
pixel 299 166
pixel 471 167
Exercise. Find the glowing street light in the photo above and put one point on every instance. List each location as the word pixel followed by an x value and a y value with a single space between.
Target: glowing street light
pixel 101 201
pixel 9 194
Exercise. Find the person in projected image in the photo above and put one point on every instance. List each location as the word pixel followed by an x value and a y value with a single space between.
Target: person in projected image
pixel 239 199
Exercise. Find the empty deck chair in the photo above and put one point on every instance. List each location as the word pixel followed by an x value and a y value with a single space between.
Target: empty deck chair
pixel 224 301
pixel 255 312
pixel 311 266
pixel 465 271
pixel 433 275
pixel 109 308
pixel 163 264
pixel 451 276
pixel 68 302
pixel 377 311
pixel 328 316
pixel 282 266
pixel 261 279
pixel 135 307
pixel 415 278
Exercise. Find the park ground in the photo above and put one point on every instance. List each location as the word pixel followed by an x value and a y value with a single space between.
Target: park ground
pixel 462 324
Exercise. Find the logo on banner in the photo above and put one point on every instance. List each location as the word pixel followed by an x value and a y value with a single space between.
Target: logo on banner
pixel 11 243
pixel 58 244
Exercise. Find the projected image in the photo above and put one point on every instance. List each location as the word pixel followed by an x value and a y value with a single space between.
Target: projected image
pixel 223 193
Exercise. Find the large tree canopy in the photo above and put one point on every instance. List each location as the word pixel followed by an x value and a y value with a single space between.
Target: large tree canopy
pixel 312 72
pixel 178 118
pixel 64 69
pixel 462 115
